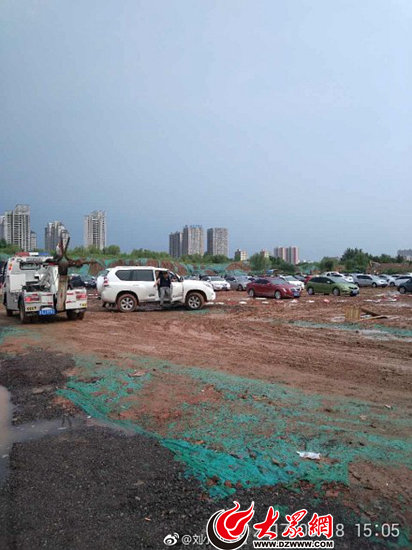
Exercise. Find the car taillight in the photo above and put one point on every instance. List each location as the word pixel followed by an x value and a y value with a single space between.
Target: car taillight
pixel 32 298
pixel 105 281
pixel 81 295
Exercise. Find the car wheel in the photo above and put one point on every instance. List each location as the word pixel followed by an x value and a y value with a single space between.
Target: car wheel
pixel 24 318
pixel 194 301
pixel 336 292
pixel 71 314
pixel 251 293
pixel 311 291
pixel 402 290
pixel 278 295
pixel 80 315
pixel 374 285
pixel 392 284
pixel 239 287
pixel 126 303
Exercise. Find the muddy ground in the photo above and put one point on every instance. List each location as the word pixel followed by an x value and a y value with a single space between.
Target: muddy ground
pixel 128 427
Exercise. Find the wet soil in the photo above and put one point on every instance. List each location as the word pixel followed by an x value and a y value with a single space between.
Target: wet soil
pixel 89 486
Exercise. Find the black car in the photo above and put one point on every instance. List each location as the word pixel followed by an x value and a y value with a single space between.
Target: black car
pixel 406 286
pixel 77 281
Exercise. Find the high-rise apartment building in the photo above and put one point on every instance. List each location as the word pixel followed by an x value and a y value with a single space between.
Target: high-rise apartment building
pixel 288 254
pixel 292 256
pixel 280 252
pixel 265 253
pixel 53 232
pixel 95 229
pixel 218 241
pixel 3 228
pixel 33 240
pixel 16 226
pixel 241 255
pixel 175 244
pixel 193 240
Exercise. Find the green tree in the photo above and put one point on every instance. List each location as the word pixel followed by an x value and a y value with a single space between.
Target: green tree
pixel 280 265
pixel 112 250
pixel 258 262
pixel 327 263
pixel 6 248
pixel 215 259
pixel 144 253
pixel 193 259
pixel 355 259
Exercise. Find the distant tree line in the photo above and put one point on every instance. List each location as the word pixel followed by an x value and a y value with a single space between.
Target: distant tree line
pixel 355 259
pixel 260 264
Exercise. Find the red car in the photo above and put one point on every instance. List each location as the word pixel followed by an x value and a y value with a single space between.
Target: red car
pixel 272 287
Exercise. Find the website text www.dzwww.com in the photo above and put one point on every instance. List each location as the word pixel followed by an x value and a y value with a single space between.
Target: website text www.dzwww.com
pixel 293 544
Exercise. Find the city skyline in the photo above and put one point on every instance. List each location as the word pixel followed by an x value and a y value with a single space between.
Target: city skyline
pixel 290 254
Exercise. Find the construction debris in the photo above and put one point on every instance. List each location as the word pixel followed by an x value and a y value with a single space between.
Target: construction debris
pixel 353 314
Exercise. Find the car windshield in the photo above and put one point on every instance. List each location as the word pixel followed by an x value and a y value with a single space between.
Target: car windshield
pixel 278 281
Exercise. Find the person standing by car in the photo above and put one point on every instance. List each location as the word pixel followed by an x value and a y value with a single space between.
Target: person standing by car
pixel 164 284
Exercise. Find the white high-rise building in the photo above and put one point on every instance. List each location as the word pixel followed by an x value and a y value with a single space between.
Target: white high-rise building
pixel 16 226
pixel 95 229
pixel 218 241
pixel 52 234
pixel 193 240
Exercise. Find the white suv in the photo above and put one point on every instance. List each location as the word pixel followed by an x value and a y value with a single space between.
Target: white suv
pixel 129 286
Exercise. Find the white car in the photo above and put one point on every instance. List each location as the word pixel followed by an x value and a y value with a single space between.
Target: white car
pixel 130 286
pixel 337 275
pixel 402 279
pixel 218 283
pixel 389 278
pixel 239 283
pixel 293 281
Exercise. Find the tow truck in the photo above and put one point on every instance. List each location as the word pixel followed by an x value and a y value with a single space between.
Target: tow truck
pixel 37 285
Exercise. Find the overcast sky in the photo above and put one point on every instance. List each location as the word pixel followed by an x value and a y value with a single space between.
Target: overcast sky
pixel 287 121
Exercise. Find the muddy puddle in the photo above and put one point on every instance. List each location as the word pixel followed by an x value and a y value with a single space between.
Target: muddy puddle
pixel 10 434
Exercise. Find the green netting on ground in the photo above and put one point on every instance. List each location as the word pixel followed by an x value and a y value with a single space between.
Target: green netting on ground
pixel 374 330
pixel 251 433
pixel 6 332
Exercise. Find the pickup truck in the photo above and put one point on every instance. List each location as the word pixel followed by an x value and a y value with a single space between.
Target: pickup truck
pixel 130 286
pixel 33 287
